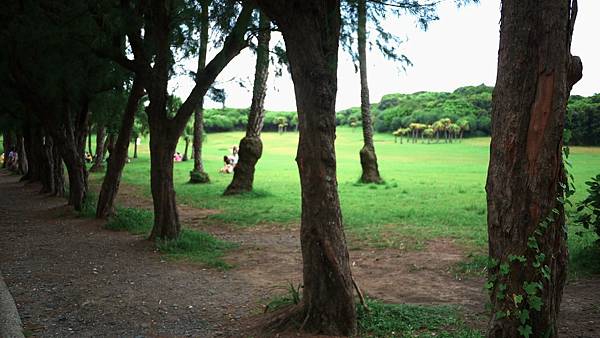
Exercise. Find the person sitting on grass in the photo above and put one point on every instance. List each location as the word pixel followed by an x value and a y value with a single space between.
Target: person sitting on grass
pixel 228 167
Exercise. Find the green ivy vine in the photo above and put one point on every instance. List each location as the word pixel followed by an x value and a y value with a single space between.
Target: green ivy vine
pixel 529 300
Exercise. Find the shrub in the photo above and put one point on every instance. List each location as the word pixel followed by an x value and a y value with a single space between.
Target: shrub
pixel 589 208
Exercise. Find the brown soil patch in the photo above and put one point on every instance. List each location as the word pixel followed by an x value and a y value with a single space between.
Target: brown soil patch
pixel 71 277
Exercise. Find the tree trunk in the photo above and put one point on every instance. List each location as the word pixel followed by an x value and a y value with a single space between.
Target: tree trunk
pixel 135 148
pixel 198 174
pixel 33 148
pixel 98 164
pixel 90 139
pixel 23 164
pixel 166 217
pixel 46 165
pixel 251 145
pixel 58 174
pixel 525 219
pixel 185 152
pixel 368 158
pixel 27 132
pixel 311 29
pixel 112 179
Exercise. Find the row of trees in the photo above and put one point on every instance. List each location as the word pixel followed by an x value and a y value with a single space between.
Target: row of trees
pixel 61 57
pixel 444 127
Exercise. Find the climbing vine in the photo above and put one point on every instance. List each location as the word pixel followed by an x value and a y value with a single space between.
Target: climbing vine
pixel 522 304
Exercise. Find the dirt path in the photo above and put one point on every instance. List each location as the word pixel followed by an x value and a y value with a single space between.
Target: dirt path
pixel 71 277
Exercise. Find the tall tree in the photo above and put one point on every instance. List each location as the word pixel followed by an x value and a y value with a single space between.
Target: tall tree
pixel 311 30
pixel 368 158
pixel 198 174
pixel 526 181
pixel 118 157
pixel 250 149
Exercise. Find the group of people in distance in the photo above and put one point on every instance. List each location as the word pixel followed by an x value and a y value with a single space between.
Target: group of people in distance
pixel 12 162
pixel 230 161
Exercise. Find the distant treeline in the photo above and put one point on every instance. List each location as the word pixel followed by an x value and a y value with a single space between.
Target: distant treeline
pixel 474 104
pixel 236 119
pixel 471 103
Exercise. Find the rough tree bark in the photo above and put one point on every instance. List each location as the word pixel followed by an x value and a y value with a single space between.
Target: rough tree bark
pixel 368 158
pixel 118 158
pixel 311 31
pixel 166 217
pixel 535 74
pixel 98 164
pixel 198 174
pixel 250 149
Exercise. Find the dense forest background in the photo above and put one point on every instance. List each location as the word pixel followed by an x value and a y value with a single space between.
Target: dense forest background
pixel 473 103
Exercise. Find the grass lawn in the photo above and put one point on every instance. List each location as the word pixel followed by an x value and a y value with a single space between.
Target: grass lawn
pixel 430 190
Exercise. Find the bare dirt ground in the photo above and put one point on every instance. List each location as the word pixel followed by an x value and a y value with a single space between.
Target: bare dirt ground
pixel 70 277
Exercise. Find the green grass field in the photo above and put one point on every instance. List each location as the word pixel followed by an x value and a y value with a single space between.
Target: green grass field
pixel 430 190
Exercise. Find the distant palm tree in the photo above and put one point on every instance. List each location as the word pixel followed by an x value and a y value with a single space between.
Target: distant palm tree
pixel 428 133
pixel 454 131
pixel 464 126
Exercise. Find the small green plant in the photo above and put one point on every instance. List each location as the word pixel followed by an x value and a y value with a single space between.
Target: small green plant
pixel 291 297
pixel 133 220
pixel 475 265
pixel 196 246
pixel 589 208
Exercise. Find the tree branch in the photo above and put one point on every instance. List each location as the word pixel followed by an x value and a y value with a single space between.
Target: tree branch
pixel 233 45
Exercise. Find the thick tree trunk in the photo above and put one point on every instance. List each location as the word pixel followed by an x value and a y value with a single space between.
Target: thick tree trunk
pixel 166 217
pixel 251 146
pixel 525 219
pixel 198 174
pixel 98 164
pixel 71 155
pixel 112 179
pixel 368 158
pixel 311 32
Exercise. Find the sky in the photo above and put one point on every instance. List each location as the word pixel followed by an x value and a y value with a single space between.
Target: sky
pixel 459 49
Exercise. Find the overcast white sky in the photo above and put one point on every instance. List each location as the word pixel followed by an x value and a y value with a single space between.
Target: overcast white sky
pixel 459 49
